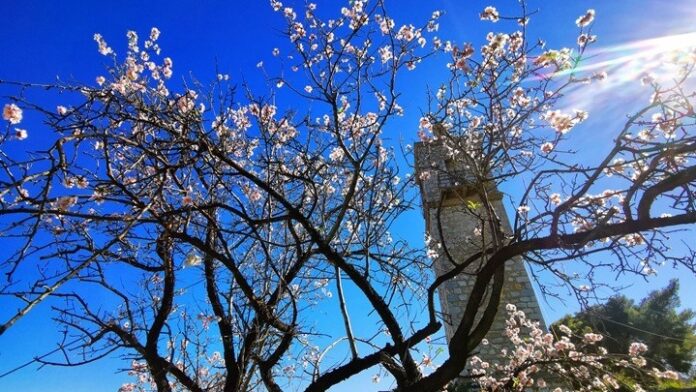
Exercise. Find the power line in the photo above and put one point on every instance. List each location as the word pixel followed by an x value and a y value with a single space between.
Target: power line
pixel 682 340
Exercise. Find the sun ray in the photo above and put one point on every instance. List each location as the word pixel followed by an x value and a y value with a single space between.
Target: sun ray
pixel 640 56
pixel 659 60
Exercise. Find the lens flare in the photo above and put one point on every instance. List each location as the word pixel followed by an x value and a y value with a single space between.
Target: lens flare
pixel 658 60
pixel 661 56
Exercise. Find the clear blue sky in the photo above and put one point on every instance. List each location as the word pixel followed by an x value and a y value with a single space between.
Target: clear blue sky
pixel 42 40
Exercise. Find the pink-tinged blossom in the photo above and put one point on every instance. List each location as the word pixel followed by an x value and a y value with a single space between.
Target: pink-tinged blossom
pixel 617 166
pixel 277 5
pixel 355 14
pixel 12 113
pixel 98 196
pixel 23 194
pixel 555 198
pixel 69 182
pixel 206 320
pixel 289 370
pixel 496 45
pixel 424 123
pixel 129 387
pixel 584 39
pixel 406 33
pixel 167 68
pixel 634 239
pixel 215 358
pixel 491 14
pixel 586 19
pixel 154 34
pixel 337 154
pixel 519 98
pixel 21 134
pixel 132 41
pixel 385 24
pixel 187 102
pixel 600 76
pixel 433 247
pixel 647 80
pixel 592 338
pixel 637 348
pixel 562 59
pixel 104 49
pixel 563 122
pixel 646 135
pixel 546 148
pixel 538 351
pixel 461 56
pixel 298 31
pixel 64 203
pixel 192 259
pixel 254 195
pixel 564 329
pixel 385 53
pixel 639 361
pixel 668 374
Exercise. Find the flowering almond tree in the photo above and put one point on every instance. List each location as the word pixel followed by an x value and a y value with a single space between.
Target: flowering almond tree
pixel 499 119
pixel 213 222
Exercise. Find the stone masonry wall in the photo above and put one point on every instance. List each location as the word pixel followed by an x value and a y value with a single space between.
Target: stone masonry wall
pixel 456 223
pixel 458 226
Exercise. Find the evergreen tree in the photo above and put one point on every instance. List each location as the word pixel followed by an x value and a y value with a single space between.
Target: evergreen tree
pixel 655 321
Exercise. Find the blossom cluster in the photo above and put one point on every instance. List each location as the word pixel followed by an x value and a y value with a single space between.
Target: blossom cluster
pixel 535 358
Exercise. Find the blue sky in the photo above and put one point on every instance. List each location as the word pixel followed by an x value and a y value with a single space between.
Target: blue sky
pixel 43 40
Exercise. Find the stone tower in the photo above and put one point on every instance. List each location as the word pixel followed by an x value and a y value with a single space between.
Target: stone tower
pixel 444 187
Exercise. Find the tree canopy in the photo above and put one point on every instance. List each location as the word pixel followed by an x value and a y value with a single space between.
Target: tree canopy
pixel 656 320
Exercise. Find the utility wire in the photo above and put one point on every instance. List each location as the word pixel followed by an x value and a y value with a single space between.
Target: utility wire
pixel 641 330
